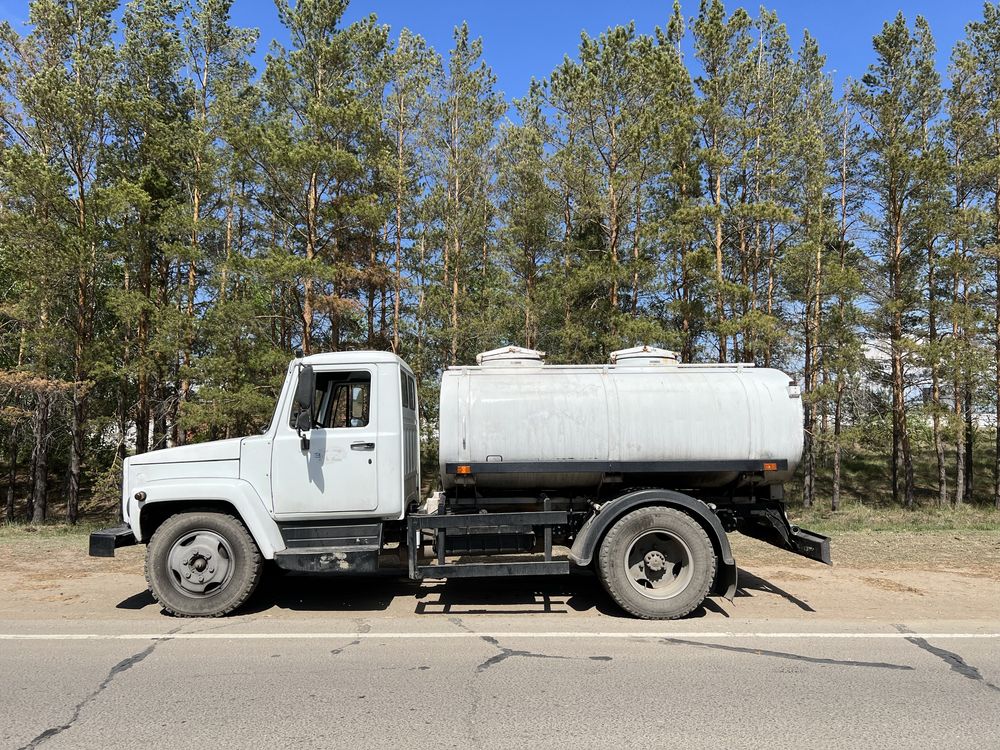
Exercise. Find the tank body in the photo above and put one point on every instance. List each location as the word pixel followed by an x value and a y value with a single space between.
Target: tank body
pixel 620 412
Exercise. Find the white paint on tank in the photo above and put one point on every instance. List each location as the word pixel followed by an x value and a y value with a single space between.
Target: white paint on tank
pixel 622 412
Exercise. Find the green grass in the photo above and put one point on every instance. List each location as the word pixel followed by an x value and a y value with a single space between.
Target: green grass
pixel 866 478
pixel 48 530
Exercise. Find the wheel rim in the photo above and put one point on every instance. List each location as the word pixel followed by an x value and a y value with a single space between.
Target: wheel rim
pixel 200 563
pixel 658 564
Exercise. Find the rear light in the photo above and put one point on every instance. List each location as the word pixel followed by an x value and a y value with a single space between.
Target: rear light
pixel 464 469
pixel 770 466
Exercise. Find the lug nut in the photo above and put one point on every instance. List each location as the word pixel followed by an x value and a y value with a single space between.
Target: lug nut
pixel 187 575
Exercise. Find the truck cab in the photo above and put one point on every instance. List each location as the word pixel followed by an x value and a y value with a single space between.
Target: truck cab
pixel 358 457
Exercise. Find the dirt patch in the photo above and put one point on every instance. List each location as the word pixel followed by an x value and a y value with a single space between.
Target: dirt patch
pixel 789 575
pixel 975 553
pixel 886 585
pixel 889 577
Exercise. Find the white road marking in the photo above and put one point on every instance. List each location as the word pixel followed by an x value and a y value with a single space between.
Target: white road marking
pixel 705 635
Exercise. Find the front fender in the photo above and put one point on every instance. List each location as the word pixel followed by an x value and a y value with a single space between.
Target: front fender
pixel 592 532
pixel 235 492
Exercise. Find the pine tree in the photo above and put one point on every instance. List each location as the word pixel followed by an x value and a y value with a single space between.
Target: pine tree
pixel 843 321
pixel 62 73
pixel 928 225
pixel 313 181
pixel 984 39
pixel 964 146
pixel 412 67
pixel 887 102
pixel 528 207
pixel 813 138
pixel 721 46
pixel 467 113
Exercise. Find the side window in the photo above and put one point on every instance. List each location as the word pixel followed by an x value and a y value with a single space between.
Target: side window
pixel 342 399
pixel 408 392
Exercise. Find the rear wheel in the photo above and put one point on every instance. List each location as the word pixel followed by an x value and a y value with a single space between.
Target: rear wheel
pixel 202 564
pixel 657 563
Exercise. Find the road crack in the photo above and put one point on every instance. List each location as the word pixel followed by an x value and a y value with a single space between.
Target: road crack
pixel 362 628
pixel 507 653
pixel 786 655
pixel 343 648
pixel 457 622
pixel 955 662
pixel 123 666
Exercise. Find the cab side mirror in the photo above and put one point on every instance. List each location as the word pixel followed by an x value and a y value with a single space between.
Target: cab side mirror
pixel 305 389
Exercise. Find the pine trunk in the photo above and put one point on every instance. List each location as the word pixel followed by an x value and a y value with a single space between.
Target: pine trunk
pixel 40 459
pixel 901 440
pixel 11 475
pixel 835 490
pixel 996 334
pixel 932 336
pixel 398 275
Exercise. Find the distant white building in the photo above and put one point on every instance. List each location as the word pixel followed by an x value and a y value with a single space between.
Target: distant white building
pixel 877 379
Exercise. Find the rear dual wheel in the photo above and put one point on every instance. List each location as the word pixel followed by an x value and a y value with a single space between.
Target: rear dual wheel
pixel 202 564
pixel 657 563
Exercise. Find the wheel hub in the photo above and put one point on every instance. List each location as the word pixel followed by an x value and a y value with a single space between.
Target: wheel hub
pixel 658 564
pixel 654 561
pixel 200 563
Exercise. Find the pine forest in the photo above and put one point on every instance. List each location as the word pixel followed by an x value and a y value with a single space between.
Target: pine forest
pixel 178 215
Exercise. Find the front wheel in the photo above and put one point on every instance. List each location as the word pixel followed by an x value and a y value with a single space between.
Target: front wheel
pixel 657 563
pixel 202 564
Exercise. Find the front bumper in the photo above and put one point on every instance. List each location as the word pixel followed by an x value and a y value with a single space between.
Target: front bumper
pixel 103 543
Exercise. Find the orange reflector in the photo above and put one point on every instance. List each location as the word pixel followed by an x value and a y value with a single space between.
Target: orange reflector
pixel 463 469
pixel 770 466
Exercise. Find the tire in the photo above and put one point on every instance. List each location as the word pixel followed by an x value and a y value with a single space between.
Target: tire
pixel 677 559
pixel 202 564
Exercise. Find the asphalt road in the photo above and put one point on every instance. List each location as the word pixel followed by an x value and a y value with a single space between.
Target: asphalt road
pixel 469 681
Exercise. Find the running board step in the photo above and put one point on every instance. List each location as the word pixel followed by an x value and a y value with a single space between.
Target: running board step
pixel 310 534
pixel 485 570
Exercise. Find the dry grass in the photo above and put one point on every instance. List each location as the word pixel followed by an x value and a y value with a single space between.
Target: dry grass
pixel 857 517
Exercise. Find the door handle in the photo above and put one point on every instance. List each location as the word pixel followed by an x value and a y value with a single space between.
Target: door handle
pixel 362 446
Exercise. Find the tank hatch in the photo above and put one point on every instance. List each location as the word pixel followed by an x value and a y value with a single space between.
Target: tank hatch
pixel 511 356
pixel 643 355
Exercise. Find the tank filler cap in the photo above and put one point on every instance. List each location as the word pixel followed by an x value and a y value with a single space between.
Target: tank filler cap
pixel 511 356
pixel 644 355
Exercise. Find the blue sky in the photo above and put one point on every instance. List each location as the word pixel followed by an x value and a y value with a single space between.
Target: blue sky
pixel 525 38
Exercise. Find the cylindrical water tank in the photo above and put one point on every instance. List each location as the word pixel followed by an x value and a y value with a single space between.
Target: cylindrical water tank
pixel 645 408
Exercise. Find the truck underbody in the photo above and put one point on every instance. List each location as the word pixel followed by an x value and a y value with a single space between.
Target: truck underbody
pixel 469 532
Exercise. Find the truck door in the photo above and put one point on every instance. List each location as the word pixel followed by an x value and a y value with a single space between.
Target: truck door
pixel 338 473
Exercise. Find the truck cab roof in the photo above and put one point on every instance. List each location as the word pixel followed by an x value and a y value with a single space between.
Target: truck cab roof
pixel 360 356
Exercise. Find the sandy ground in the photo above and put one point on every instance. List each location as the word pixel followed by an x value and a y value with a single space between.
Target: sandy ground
pixel 884 577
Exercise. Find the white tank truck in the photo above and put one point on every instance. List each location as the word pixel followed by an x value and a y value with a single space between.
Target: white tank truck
pixel 636 469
